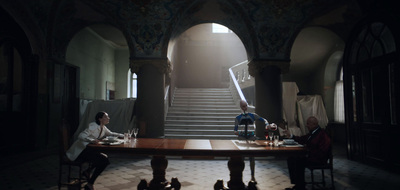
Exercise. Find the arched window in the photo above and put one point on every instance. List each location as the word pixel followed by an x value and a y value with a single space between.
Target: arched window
pixel 11 78
pixel 132 85
pixel 339 116
pixel 371 65
pixel 371 92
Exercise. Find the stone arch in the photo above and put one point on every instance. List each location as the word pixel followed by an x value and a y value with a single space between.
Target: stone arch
pixel 204 57
pixel 31 30
pixel 99 65
pixel 309 55
pixel 333 69
pixel 18 80
pixel 232 16
pixel 371 59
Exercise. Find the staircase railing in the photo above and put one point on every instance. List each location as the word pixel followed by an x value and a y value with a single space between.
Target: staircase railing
pixel 167 100
pixel 242 80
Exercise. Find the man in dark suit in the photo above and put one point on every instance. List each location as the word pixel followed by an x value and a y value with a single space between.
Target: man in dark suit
pixel 318 145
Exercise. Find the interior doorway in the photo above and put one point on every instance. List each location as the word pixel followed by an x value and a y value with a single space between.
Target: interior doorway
pixel 70 100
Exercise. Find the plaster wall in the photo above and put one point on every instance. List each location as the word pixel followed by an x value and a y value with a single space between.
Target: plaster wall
pixel 96 60
pixel 121 73
pixel 205 57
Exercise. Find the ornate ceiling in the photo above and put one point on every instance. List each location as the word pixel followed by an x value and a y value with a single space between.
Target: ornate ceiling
pixel 267 28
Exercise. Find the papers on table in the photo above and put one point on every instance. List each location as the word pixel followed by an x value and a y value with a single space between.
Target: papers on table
pixel 291 145
pixel 117 142
pixel 248 145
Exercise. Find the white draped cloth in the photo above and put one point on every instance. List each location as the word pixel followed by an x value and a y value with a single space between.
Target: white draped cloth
pixel 311 105
pixel 289 101
pixel 296 109
pixel 119 111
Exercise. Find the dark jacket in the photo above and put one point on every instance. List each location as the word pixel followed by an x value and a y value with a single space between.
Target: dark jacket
pixel 318 145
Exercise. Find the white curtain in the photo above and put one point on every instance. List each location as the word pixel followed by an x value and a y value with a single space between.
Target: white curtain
pixel 120 113
pixel 311 105
pixel 289 99
pixel 339 102
pixel 299 108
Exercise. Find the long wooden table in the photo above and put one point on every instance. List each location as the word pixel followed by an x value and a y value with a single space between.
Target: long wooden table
pixel 159 148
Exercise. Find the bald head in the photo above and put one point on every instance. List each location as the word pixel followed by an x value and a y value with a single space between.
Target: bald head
pixel 312 123
pixel 243 105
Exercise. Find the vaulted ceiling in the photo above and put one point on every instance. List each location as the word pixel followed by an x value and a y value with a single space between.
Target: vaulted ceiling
pixel 269 29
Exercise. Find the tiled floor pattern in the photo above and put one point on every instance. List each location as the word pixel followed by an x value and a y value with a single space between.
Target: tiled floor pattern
pixel 124 173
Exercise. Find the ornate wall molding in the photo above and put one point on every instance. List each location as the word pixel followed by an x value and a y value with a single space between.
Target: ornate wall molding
pixel 163 65
pixel 256 66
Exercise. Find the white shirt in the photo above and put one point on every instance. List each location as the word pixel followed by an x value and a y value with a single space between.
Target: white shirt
pixel 90 134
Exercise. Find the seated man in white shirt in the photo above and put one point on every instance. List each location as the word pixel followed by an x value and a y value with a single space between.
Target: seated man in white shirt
pixel 93 134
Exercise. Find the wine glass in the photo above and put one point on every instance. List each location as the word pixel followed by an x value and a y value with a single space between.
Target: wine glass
pixel 266 135
pixel 130 132
pixel 135 132
pixel 276 140
pixel 270 135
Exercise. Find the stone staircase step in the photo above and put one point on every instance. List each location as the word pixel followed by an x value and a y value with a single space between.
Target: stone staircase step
pixel 211 101
pixel 232 122
pixel 198 126
pixel 188 118
pixel 199 97
pixel 204 103
pixel 198 131
pixel 190 93
pixel 182 113
pixel 203 89
pixel 207 106
pixel 201 113
pixel 203 109
pixel 185 136
pixel 210 130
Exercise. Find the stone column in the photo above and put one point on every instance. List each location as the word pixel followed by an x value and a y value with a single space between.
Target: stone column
pixel 150 95
pixel 268 89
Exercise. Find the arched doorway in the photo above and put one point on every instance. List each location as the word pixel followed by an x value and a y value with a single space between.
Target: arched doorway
pixel 205 53
pixel 372 94
pixel 96 66
pixel 18 87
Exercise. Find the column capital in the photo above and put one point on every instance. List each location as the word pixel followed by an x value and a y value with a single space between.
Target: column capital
pixel 163 65
pixel 257 65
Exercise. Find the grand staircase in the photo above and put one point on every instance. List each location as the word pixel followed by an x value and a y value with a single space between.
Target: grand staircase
pixel 201 113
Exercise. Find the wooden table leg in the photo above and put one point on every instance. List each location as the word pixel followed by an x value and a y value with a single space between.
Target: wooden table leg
pixel 236 167
pixel 159 165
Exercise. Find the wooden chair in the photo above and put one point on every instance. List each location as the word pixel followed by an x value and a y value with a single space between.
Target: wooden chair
pixel 327 166
pixel 72 181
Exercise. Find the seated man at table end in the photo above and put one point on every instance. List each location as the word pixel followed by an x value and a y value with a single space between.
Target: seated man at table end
pixel 318 145
pixel 93 134
pixel 246 118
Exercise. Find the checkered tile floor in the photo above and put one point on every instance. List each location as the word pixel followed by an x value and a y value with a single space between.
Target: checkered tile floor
pixel 194 174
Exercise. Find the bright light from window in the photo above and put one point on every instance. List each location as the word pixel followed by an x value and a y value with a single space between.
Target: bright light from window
pixel 132 85
pixel 217 28
pixel 339 100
